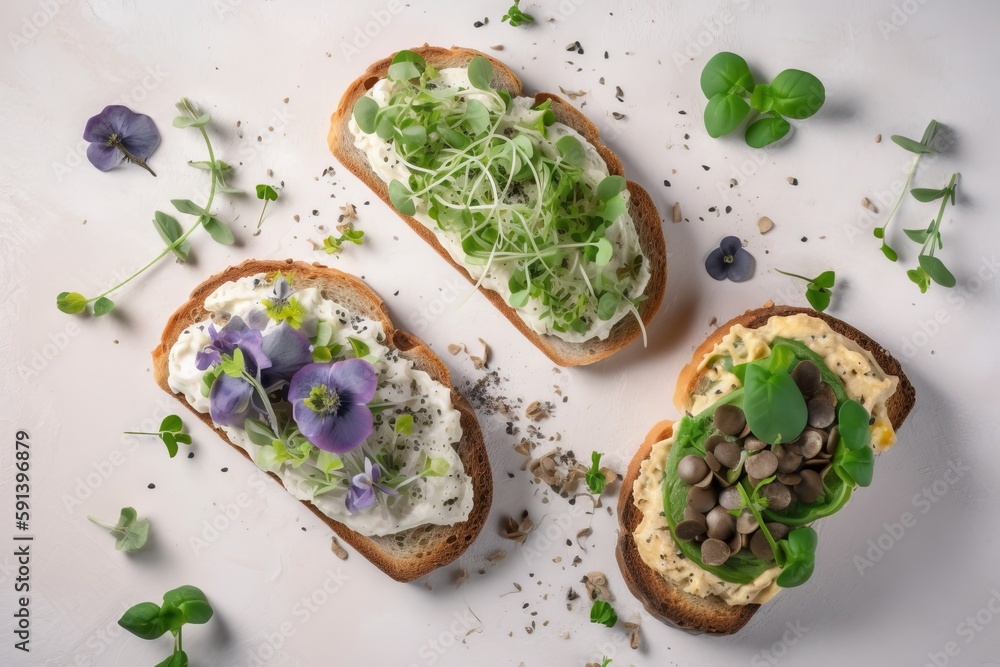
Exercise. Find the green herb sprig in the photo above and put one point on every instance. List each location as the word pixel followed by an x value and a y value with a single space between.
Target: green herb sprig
pixel 265 193
pixel 130 532
pixel 819 290
pixel 515 16
pixel 733 96
pixel 596 479
pixel 332 244
pixel 775 410
pixel 167 226
pixel 181 606
pixel 602 612
pixel 919 148
pixel 930 267
pixel 170 432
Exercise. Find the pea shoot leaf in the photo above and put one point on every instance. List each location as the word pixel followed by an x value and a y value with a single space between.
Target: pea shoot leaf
pixel 937 271
pixel 130 532
pixel 103 306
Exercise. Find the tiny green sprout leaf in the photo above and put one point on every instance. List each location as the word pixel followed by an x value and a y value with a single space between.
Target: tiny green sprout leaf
pixel 799 551
pixel 403 71
pixel 766 131
pixel 605 661
pixel 571 150
pixel 143 620
pixel 191 602
pixel 825 279
pixel 726 72
pixel 724 113
pixel 365 112
pixel 929 194
pixel 218 230
pixel 936 270
pixel 761 99
pixel 103 306
pixel 609 187
pixel 435 467
pixel 176 659
pixel 359 347
pixel 259 433
pixel 919 277
pixel 889 252
pixel 917 235
pixel 401 198
pixel 852 423
pixel 516 17
pixel 233 365
pixel 189 207
pixel 519 299
pixel 819 299
pixel 172 424
pixel 602 612
pixel 170 231
pixel 774 406
pixel 71 303
pixel 407 56
pixel 477 117
pixel 130 532
pixel 266 192
pixel 596 480
pixel 911 145
pixel 604 252
pixel 404 424
pixel 607 305
pixel 480 72
pixel 797 94
pixel 879 232
pixel 413 137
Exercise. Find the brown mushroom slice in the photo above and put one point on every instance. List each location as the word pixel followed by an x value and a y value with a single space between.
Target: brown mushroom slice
pixel 832 440
pixel 810 488
pixel 811 442
pixel 707 482
pixel 713 442
pixel 753 444
pixel 746 522
pixel 714 552
pixel 761 465
pixel 788 461
pixel 735 543
pixel 778 495
pixel 702 499
pixel 713 462
pixel 778 530
pixel 729 454
pixel 729 419
pixel 689 529
pixel 730 498
pixel 821 412
pixel 721 524
pixel 807 377
pixel 692 469
pixel 721 480
pixel 789 478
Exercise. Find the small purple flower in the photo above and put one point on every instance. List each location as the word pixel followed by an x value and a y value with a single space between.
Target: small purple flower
pixel 363 486
pixel 730 261
pixel 118 134
pixel 234 334
pixel 330 403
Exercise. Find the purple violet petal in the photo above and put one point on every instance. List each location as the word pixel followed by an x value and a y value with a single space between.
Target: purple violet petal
pixel 359 498
pixel 288 351
pixel 354 378
pixel 99 128
pixel 229 401
pixel 716 265
pixel 338 433
pixel 257 319
pixel 140 136
pixel 741 266
pixel 104 157
pixel 731 245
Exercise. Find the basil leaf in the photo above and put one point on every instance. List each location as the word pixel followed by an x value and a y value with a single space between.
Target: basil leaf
pixel 177 659
pixel 143 620
pixel 190 602
pixel 724 113
pixel 766 131
pixel 724 72
pixel 761 100
pixel 774 406
pixel 797 94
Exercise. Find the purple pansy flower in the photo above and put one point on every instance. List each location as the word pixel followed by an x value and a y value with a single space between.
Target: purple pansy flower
pixel 362 491
pixel 234 334
pixel 730 261
pixel 118 134
pixel 330 403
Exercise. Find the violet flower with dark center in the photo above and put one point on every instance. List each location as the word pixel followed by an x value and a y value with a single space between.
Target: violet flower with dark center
pixel 330 403
pixel 118 134
pixel 730 260
pixel 361 493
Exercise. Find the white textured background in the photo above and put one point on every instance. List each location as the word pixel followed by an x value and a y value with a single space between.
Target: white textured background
pixel 76 384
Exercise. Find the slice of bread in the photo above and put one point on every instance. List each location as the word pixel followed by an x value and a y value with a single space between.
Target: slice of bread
pixel 661 598
pixel 641 207
pixel 408 554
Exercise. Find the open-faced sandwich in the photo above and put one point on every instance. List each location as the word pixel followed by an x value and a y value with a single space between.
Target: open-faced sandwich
pixel 517 192
pixel 785 411
pixel 299 367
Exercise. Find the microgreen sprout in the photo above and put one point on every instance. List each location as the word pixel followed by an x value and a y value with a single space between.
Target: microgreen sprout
pixel 148 620
pixel 819 290
pixel 733 96
pixel 602 612
pixel 596 479
pixel 930 267
pixel 170 432
pixel 605 661
pixel 521 207
pixel 130 532
pixel 918 148
pixel 332 244
pixel 265 193
pixel 167 226
pixel 515 16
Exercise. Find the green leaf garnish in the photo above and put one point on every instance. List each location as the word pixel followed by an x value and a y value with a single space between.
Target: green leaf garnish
pixel 724 113
pixel 602 612
pixel 480 72
pixel 365 113
pixel 775 409
pixel 130 532
pixel 401 198
pixel 819 290
pixel 596 480
pixel 766 131
pixel 171 431
pixel 181 606
pixel 516 17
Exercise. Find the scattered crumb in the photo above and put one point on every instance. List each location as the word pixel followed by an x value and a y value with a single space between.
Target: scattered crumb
pixel 515 530
pixel 792 180
pixel 878 138
pixel 348 213
pixel 597 586
pixel 497 47
pixel 338 550
pixel 455 348
pixel 537 411
pixel 676 212
pixel 867 203
pixel 572 94
pixel 765 224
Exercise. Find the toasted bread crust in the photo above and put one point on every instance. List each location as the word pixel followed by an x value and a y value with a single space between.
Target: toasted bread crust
pixel 406 555
pixel 661 598
pixel 641 206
